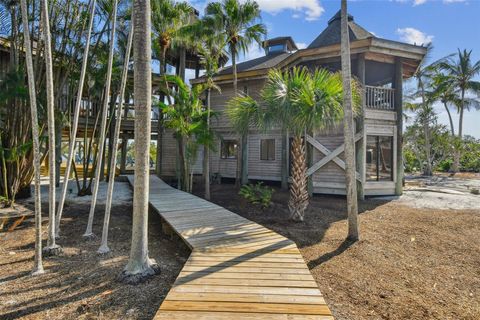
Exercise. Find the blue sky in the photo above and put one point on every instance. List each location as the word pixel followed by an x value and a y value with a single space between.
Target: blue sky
pixel 448 24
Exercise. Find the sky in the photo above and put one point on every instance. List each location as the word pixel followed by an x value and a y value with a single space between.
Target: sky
pixel 448 24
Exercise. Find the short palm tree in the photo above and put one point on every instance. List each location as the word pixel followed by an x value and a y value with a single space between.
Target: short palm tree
pixel 462 72
pixel 239 24
pixel 211 48
pixel 298 101
pixel 186 117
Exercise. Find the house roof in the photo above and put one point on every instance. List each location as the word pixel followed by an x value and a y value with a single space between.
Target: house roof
pixel 327 45
pixel 268 61
pixel 331 35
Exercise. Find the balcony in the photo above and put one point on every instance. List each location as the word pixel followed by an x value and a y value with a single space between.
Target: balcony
pixel 379 98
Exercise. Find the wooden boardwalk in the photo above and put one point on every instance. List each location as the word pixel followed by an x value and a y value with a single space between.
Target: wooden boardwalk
pixel 237 268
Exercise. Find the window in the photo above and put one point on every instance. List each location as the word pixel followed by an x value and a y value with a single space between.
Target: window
pixel 379 160
pixel 276 48
pixel 267 149
pixel 229 149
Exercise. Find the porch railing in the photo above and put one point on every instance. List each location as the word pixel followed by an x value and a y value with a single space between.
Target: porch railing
pixel 379 98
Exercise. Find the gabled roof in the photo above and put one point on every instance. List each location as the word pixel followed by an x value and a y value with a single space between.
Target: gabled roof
pixel 327 45
pixel 268 61
pixel 331 35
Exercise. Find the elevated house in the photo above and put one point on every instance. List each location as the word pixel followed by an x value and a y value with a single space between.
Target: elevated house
pixel 380 65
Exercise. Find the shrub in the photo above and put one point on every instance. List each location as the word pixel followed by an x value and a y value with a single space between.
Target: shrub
pixel 257 194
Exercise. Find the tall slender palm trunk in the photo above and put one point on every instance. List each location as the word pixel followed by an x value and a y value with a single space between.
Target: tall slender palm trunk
pixel 103 125
pixel 457 153
pixel 52 248
pixel 206 152
pixel 116 135
pixel 38 265
pixel 350 168
pixel 139 265
pixel 76 115
pixel 298 201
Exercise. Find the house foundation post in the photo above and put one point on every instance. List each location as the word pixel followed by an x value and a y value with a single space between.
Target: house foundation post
pixel 360 124
pixel 398 85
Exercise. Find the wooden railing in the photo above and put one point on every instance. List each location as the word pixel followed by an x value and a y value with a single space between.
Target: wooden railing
pixel 379 98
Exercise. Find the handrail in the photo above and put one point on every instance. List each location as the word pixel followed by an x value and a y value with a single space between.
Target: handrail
pixel 379 98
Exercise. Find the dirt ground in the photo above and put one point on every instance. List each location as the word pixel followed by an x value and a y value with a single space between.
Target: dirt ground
pixel 81 284
pixel 409 264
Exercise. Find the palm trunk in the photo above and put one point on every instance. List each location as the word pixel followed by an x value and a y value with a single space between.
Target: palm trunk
pixel 139 264
pixel 298 202
pixel 206 153
pixel 52 248
pixel 238 175
pixel 111 178
pixel 163 71
pixel 452 128
pixel 457 154
pixel 426 132
pixel 38 265
pixel 103 126
pixel 350 168
pixel 76 115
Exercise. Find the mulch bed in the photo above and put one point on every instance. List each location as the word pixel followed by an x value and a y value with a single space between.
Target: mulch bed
pixel 409 264
pixel 81 284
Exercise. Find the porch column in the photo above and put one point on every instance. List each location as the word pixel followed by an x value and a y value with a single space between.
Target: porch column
pixel 197 69
pixel 362 143
pixel 123 155
pixel 398 85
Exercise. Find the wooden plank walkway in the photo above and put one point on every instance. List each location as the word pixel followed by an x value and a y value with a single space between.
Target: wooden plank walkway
pixel 237 268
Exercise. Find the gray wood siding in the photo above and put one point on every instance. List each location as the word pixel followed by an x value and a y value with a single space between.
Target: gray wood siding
pixel 331 172
pixel 264 169
pixel 169 156
pixel 224 167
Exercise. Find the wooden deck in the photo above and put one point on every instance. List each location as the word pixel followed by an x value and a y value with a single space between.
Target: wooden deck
pixel 237 268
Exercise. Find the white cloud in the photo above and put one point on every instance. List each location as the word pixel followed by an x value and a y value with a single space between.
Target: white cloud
pixel 418 2
pixel 414 36
pixel 301 45
pixel 312 9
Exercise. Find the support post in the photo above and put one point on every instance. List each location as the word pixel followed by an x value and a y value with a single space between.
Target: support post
pixel 244 160
pixel 362 143
pixel 284 161
pixel 398 84
pixel 123 161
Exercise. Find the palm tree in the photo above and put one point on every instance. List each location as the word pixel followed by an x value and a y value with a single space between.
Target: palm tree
pixel 299 102
pixel 239 25
pixel 99 167
pixel 168 19
pixel 139 265
pixel 111 178
pixel 423 76
pixel 211 49
pixel 38 265
pixel 443 91
pixel 350 168
pixel 462 73
pixel 76 115
pixel 52 248
pixel 187 119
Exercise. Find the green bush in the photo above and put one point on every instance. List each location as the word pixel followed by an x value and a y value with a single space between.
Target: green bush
pixel 257 194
